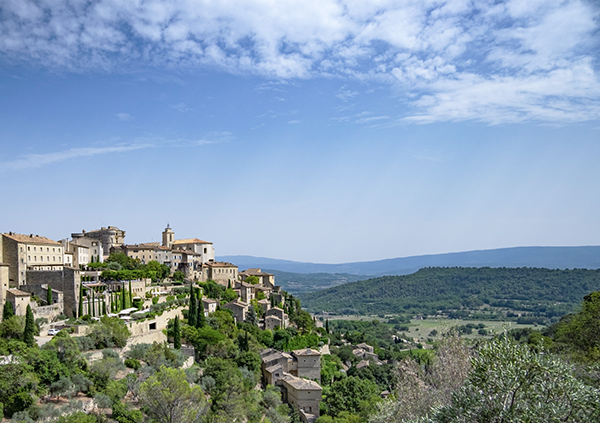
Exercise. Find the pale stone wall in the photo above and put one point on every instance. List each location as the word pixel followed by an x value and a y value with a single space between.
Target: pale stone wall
pixel 49 312
pixel 66 280
pixel 149 331
pixel 4 285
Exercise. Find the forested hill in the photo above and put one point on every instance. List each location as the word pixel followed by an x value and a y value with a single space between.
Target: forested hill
pixel 585 257
pixel 542 292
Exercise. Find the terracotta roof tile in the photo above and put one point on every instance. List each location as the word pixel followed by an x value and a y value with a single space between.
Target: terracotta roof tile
pixel 31 239
pixel 191 241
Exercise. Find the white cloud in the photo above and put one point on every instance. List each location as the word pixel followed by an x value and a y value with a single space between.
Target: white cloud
pixel 124 116
pixel 503 54
pixel 39 160
pixel 181 107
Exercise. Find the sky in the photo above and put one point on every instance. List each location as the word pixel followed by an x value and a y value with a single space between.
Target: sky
pixel 315 130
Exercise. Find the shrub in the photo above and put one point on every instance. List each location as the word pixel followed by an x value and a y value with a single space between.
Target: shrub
pixel 132 363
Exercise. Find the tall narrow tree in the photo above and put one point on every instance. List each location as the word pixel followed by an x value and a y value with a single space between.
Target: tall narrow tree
pixel 103 308
pixel 29 327
pixel 80 308
pixel 93 304
pixel 8 311
pixel 327 325
pixel 123 296
pixel 130 295
pixel 49 295
pixel 201 320
pixel 176 334
pixel 193 311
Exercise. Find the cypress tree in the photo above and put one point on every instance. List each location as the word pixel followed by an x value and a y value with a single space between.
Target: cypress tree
pixel 89 310
pixel 201 320
pixel 93 304
pixel 8 311
pixel 327 325
pixel 193 311
pixel 123 296
pixel 176 334
pixel 130 296
pixel 80 308
pixel 29 327
pixel 103 308
pixel 49 295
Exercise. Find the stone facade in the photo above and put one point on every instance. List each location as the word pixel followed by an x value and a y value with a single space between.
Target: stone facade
pixel 4 278
pixel 222 273
pixel 66 280
pixel 289 372
pixel 239 310
pixel 109 237
pixel 266 279
pixel 19 300
pixel 25 252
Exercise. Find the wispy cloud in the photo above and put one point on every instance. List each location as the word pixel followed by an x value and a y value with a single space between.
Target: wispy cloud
pixel 38 160
pixel 495 62
pixel 124 116
pixel 181 107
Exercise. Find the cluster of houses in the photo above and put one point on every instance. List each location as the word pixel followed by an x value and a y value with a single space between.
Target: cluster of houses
pixel 31 265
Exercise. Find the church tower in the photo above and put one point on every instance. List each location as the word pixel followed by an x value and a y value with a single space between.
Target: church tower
pixel 168 236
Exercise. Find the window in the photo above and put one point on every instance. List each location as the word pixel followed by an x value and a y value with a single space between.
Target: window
pixel 34 258
pixel 53 258
pixel 34 249
pixel 28 248
pixel 152 326
pixel 28 258
pixel 47 249
pixel 54 250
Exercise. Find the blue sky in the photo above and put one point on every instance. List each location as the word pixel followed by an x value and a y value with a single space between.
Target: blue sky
pixel 324 131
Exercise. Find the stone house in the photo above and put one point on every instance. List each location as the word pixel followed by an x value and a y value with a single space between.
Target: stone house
pixel 19 300
pixel 292 373
pixel 210 305
pixel 280 314
pixel 25 252
pixel 222 273
pixel 239 310
pixel 265 279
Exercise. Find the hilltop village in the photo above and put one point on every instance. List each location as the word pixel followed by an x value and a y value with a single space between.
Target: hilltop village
pixel 84 278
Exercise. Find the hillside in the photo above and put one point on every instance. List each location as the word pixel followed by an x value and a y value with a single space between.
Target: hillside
pixel 297 283
pixel 587 257
pixel 538 292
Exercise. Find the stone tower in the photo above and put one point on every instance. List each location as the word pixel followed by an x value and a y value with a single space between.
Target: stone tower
pixel 168 236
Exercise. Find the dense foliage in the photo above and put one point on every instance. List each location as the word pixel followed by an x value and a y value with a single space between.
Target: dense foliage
pixel 541 294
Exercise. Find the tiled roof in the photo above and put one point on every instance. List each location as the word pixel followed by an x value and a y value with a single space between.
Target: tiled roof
pixel 191 241
pixel 306 351
pixel 300 383
pixel 19 293
pixel 31 239
pixel 218 264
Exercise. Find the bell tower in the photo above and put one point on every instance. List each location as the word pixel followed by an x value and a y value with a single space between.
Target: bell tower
pixel 168 236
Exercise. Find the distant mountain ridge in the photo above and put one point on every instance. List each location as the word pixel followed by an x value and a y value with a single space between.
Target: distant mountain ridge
pixel 585 257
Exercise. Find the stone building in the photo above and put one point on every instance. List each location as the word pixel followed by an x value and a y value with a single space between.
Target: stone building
pixel 26 252
pixel 210 305
pixel 4 278
pixel 280 315
pixel 222 273
pixel 108 237
pixel 67 280
pixel 19 300
pixel 76 255
pixel 265 279
pixel 292 372
pixel 239 310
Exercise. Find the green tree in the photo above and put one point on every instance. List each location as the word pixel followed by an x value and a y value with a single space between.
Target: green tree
pixel 193 312
pixel 167 397
pixel 351 394
pixel 49 295
pixel 252 280
pixel 511 383
pixel 176 334
pixel 178 276
pixel 111 332
pixel 8 310
pixel 29 327
pixel 80 305
pixel 201 319
pixel 130 295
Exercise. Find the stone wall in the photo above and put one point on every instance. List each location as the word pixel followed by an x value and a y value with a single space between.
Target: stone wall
pixel 150 330
pixel 49 312
pixel 66 280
